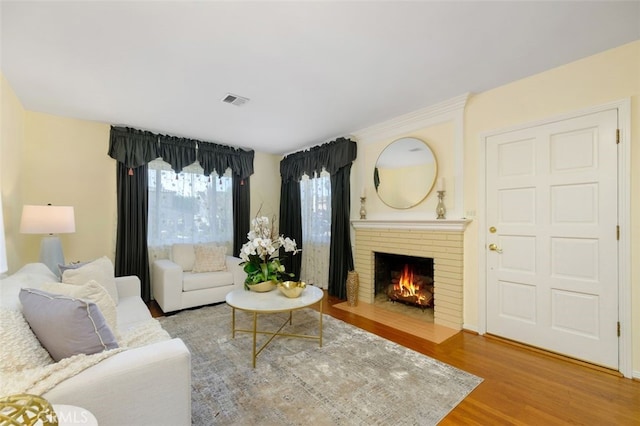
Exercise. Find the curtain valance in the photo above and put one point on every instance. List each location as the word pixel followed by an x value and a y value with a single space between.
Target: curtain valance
pixel 134 148
pixel 331 156
pixel 179 152
pixel 219 157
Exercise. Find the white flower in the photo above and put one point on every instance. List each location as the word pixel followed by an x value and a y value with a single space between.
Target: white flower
pixel 264 243
pixel 262 248
pixel 289 245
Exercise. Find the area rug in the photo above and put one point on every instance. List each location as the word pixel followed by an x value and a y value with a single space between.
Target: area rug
pixel 355 378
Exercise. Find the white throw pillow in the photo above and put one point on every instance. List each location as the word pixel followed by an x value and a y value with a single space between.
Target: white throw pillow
pixel 209 258
pixel 92 291
pixel 183 255
pixel 100 270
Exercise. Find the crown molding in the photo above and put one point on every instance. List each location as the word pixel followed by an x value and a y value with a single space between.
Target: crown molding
pixel 434 114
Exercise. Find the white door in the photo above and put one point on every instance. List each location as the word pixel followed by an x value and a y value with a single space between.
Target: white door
pixel 552 260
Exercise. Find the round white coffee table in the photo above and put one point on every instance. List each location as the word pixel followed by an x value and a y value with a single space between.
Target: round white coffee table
pixel 272 302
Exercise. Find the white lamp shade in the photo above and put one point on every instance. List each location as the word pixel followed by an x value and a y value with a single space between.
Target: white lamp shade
pixel 47 220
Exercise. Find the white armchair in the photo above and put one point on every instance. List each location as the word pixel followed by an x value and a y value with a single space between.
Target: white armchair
pixel 177 284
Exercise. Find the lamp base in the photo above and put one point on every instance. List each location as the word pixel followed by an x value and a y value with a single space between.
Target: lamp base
pixel 51 253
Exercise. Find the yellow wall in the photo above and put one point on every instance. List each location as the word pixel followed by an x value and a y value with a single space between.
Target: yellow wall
pixel 265 185
pixel 12 124
pixel 66 163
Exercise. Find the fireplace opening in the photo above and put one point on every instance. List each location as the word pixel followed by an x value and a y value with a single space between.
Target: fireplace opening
pixel 404 279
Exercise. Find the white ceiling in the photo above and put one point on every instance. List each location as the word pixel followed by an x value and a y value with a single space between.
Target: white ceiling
pixel 314 71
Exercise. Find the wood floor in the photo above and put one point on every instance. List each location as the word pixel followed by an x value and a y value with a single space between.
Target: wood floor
pixel 521 386
pixel 418 328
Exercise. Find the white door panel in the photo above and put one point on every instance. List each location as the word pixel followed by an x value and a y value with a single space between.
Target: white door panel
pixel 552 276
pixel 517 206
pixel 517 302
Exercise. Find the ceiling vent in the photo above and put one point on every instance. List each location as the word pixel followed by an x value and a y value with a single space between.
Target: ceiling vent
pixel 235 99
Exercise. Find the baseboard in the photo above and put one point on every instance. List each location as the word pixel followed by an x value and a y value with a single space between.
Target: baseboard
pixel 472 328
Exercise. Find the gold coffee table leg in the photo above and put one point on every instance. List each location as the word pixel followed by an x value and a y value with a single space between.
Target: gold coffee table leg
pixel 320 334
pixel 255 328
pixel 233 323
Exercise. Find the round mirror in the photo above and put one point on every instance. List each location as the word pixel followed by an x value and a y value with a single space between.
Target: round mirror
pixel 405 173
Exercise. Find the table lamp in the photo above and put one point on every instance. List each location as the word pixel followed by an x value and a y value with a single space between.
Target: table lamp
pixel 48 220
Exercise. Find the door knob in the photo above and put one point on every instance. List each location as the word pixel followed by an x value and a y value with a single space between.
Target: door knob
pixel 495 248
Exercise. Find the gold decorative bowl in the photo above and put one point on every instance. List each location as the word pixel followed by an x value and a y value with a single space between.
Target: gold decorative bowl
pixel 27 410
pixel 262 287
pixel 292 289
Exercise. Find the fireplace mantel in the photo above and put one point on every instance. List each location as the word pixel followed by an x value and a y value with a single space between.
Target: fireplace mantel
pixel 429 224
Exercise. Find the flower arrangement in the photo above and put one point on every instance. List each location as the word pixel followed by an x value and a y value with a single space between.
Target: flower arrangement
pixel 260 254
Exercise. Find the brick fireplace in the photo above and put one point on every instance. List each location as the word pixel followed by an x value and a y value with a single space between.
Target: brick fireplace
pixel 442 240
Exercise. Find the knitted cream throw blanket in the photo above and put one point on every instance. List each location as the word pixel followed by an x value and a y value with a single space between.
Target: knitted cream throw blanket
pixel 25 367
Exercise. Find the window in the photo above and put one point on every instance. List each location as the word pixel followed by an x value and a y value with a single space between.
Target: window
pixel 315 197
pixel 189 207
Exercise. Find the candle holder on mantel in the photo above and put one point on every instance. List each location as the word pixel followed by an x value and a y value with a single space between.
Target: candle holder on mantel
pixel 441 210
pixel 363 211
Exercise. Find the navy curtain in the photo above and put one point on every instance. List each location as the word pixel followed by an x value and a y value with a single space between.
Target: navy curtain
pixel 241 212
pixel 291 223
pixel 134 149
pixel 336 158
pixel 132 257
pixel 219 158
pixel 340 255
pixel 178 152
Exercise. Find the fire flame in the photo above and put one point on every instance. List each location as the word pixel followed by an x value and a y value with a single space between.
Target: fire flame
pixel 406 286
pixel 409 288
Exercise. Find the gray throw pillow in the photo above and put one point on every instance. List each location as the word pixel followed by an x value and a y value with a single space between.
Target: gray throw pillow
pixel 66 326
pixel 63 268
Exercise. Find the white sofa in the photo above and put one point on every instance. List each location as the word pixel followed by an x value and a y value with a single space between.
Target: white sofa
pixel 176 286
pixel 145 385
